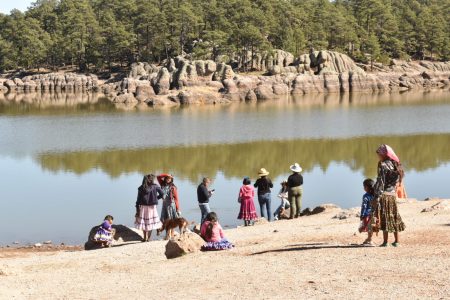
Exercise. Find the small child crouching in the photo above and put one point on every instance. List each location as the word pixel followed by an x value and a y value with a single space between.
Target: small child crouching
pixel 105 233
pixel 212 233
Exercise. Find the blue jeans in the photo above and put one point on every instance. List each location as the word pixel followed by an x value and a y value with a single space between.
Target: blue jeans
pixel 205 210
pixel 264 204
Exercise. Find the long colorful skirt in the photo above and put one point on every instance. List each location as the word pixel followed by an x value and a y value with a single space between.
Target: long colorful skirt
pixel 104 236
pixel 148 218
pixel 248 210
pixel 223 244
pixel 390 219
pixel 168 211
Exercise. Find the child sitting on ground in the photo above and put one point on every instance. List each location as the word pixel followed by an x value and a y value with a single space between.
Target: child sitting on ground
pixel 283 195
pixel 212 233
pixel 366 211
pixel 105 233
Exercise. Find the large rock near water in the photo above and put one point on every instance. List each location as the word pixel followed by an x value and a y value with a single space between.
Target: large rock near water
pixel 185 243
pixel 144 92
pixel 161 83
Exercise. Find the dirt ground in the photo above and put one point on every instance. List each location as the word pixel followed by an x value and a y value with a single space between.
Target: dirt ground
pixel 314 257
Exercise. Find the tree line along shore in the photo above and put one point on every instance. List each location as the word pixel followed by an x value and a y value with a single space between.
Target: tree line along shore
pixel 97 35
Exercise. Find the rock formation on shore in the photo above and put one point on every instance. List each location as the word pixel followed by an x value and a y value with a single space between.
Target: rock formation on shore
pixel 181 81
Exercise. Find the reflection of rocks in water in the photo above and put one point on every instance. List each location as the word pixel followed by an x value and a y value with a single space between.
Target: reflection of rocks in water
pixel 52 99
pixel 236 160
pixel 48 103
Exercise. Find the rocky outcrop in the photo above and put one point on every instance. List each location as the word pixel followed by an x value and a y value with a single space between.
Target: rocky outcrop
pixel 143 70
pixel 161 83
pixel 180 81
pixel 183 244
pixel 223 72
pixel 265 61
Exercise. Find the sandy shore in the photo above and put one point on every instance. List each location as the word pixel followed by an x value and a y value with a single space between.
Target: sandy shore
pixel 311 257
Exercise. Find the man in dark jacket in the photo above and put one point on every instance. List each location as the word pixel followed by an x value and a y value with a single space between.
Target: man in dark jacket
pixel 203 195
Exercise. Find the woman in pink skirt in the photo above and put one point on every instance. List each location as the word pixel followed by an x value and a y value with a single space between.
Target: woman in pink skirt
pixel 147 217
pixel 246 196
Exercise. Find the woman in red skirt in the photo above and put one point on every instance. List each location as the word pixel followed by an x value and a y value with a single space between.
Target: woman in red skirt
pixel 246 198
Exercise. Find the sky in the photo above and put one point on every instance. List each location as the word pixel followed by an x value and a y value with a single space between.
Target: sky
pixel 7 5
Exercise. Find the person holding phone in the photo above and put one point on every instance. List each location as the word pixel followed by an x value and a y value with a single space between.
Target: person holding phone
pixel 203 195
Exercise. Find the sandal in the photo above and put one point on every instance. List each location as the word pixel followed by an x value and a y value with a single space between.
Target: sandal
pixel 384 245
pixel 368 243
pixel 395 244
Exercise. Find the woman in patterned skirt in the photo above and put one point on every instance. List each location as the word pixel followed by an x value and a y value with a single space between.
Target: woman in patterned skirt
pixel 386 215
pixel 147 217
pixel 170 206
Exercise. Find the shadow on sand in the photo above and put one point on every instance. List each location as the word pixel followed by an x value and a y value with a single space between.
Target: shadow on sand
pixel 313 246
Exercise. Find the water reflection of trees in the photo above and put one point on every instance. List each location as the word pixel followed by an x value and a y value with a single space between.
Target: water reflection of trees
pixel 418 152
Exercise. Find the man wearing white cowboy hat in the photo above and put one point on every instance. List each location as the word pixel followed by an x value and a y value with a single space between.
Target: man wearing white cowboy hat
pixel 295 190
pixel 264 184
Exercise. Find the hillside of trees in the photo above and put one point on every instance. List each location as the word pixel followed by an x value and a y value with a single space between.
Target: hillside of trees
pixel 98 34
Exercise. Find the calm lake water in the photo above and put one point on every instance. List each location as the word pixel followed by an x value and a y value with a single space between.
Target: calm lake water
pixel 64 167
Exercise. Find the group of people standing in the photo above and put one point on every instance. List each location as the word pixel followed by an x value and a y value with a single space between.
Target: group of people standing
pixel 290 196
pixel 378 212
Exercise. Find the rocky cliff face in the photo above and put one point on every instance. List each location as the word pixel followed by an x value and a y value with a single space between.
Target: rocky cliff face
pixel 181 81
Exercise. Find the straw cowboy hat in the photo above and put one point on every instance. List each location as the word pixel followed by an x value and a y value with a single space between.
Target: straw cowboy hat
pixel 296 168
pixel 263 172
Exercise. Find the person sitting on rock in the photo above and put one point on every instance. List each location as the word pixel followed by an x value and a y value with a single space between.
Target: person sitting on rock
pixel 212 233
pixel 280 212
pixel 105 233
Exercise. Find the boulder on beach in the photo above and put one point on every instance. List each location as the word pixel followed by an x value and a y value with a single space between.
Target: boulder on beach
pixel 183 244
pixel 348 213
pixel 319 209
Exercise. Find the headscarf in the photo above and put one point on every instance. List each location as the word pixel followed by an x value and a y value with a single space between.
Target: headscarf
pixel 387 151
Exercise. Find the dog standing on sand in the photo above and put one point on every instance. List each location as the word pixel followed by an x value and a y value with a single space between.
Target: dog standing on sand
pixel 169 226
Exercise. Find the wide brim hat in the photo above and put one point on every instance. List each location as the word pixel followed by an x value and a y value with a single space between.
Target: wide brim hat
pixel 263 172
pixel 296 168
